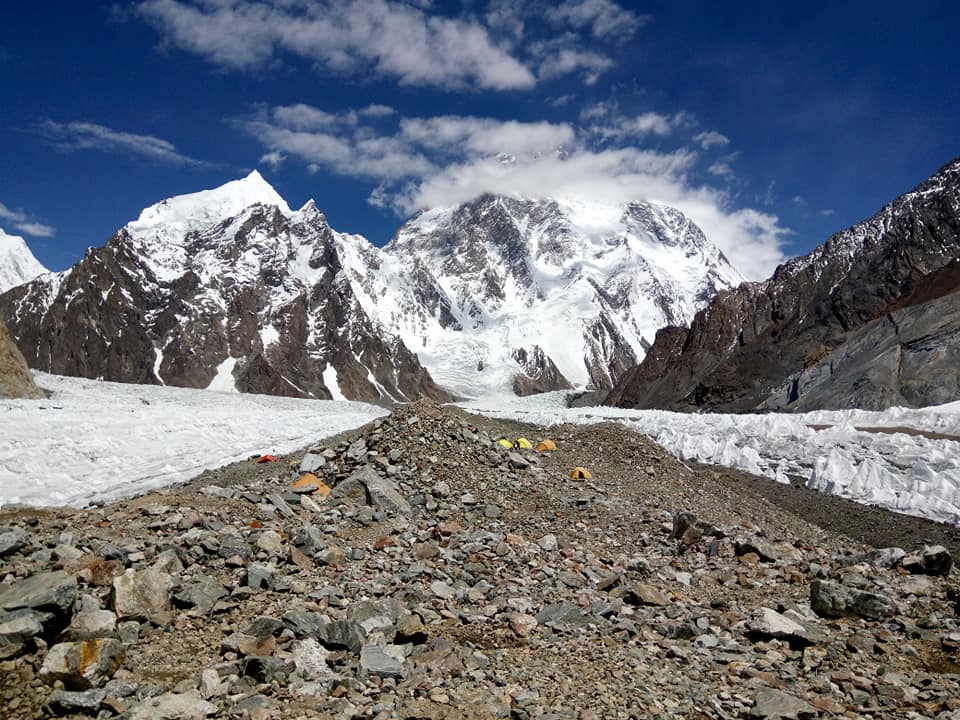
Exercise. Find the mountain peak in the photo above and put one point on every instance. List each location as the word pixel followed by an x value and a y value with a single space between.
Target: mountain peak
pixel 182 213
pixel 17 263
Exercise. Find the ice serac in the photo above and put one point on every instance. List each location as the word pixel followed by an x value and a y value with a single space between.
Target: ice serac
pixel 226 288
pixel 767 344
pixel 507 293
pixel 17 263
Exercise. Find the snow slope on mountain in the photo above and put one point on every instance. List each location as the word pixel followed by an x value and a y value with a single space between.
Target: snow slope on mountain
pixel 230 288
pixel 17 263
pixel 95 441
pixel 224 289
pixel 908 473
pixel 478 289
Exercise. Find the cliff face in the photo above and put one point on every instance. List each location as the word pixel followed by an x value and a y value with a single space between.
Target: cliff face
pixel 746 343
pixel 15 378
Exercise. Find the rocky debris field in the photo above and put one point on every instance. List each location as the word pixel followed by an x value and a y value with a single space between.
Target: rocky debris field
pixel 416 569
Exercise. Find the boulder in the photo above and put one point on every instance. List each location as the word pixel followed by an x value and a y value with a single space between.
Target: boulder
pixel 52 592
pixel 774 704
pixel 12 540
pixel 82 665
pixel 833 600
pixel 173 706
pixel 144 595
pixel 382 661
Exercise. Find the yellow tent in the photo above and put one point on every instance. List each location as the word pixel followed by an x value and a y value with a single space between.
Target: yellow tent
pixel 546 446
pixel 504 443
pixel 524 444
pixel 580 473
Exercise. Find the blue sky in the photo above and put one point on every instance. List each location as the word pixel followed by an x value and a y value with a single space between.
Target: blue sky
pixel 771 124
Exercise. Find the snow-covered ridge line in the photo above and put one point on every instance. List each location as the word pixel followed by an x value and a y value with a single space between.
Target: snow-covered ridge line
pixel 911 474
pixel 70 450
pixel 17 263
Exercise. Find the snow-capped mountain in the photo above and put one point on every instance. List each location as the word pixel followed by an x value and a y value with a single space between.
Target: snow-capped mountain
pixel 17 263
pixel 231 289
pixel 537 294
pixel 759 344
pixel 225 289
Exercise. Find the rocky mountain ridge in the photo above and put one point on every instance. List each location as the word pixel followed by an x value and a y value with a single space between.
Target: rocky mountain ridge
pixel 742 348
pixel 226 289
pixel 416 569
pixel 231 289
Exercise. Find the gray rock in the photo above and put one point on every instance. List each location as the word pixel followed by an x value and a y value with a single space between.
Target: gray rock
pixel 833 600
pixel 12 540
pixel 766 551
pixel 357 450
pixel 565 613
pixel 52 592
pixel 312 462
pixel 548 542
pixel 64 702
pixel 211 685
pixel 381 661
pixel 777 705
pixel 936 560
pixel 373 616
pixel 20 626
pixel 266 669
pixel 173 706
pixel 310 660
pixel 270 541
pixel 643 594
pixel 92 624
pixel 262 626
pixel 382 492
pixel 82 665
pixel 201 593
pixel 517 461
pixel 303 623
pixel 870 605
pixel 769 624
pixel 888 557
pixel 260 577
pixel 144 595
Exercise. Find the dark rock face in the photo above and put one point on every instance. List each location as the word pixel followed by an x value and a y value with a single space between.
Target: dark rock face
pixel 538 375
pixel 745 345
pixel 257 303
pixel 909 358
pixel 15 378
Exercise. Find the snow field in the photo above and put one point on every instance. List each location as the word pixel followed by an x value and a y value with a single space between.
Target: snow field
pixel 96 441
pixel 910 474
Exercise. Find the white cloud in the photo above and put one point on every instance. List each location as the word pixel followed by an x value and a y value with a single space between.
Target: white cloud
pixel 91 136
pixel 19 220
pixel 605 19
pixel 341 36
pixel 721 169
pixel 569 60
pixel 826 212
pixel 376 110
pixel 711 138
pixel 611 124
pixel 435 161
pixel 274 159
